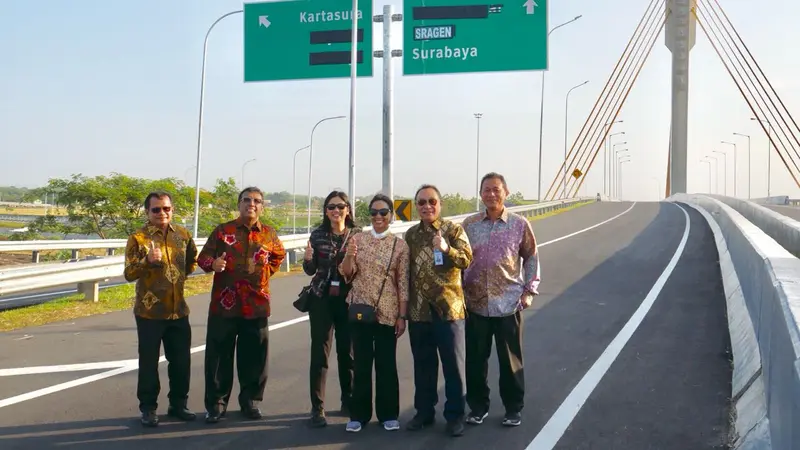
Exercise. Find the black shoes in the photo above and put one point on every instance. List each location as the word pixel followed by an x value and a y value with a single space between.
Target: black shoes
pixel 181 413
pixel 149 419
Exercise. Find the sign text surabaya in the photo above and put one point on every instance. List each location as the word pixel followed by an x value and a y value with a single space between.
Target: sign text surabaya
pixel 327 16
pixel 434 32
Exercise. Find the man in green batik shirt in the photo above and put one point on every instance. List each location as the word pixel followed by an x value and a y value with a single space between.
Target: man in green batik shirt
pixel 440 251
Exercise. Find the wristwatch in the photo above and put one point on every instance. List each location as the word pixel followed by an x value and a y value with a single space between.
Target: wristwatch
pixel 403 316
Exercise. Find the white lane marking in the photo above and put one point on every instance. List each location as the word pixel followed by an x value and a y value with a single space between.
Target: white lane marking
pixel 128 368
pixel 554 429
pixel 588 228
pixel 200 348
pixel 66 368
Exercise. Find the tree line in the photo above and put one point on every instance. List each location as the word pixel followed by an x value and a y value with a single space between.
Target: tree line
pixel 112 206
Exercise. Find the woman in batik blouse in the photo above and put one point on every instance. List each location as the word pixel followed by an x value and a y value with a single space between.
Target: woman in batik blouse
pixel 376 264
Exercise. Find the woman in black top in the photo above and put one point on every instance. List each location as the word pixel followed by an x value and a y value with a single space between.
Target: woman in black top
pixel 328 310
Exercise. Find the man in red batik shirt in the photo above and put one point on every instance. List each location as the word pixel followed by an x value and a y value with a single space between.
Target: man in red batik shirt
pixel 243 254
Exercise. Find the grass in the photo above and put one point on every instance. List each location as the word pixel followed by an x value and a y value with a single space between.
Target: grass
pixel 562 210
pixel 117 298
pixel 4 224
pixel 32 211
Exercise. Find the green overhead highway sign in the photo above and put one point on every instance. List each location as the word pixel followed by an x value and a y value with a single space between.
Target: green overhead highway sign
pixel 305 39
pixel 458 36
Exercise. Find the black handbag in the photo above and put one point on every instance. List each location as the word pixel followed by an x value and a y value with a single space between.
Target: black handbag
pixel 303 301
pixel 363 313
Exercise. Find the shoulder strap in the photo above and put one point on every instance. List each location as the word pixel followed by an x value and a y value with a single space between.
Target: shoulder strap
pixel 388 266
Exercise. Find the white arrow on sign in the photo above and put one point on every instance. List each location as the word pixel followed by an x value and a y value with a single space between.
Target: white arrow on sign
pixel 263 21
pixel 529 5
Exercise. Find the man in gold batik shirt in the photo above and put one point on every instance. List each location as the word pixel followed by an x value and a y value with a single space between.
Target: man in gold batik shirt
pixel 439 252
pixel 158 257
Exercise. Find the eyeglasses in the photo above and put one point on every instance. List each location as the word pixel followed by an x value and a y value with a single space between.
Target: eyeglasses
pixel 158 209
pixel 340 206
pixel 383 212
pixel 429 201
pixel 257 201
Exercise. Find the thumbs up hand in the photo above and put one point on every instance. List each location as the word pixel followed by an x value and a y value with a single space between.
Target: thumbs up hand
pixel 220 263
pixel 352 249
pixel 309 252
pixel 440 242
pixel 154 255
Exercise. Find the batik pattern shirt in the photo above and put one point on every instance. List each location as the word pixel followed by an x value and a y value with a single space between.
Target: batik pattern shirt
pixel 252 256
pixel 437 287
pixel 505 268
pixel 159 285
pixel 376 266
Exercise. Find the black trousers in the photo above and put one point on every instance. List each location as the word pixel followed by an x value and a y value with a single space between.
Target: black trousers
pixel 373 341
pixel 249 338
pixel 446 337
pixel 328 316
pixel 507 333
pixel 177 338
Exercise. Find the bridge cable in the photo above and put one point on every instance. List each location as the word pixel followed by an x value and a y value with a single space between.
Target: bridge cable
pixel 651 23
pixel 611 100
pixel 577 183
pixel 762 91
pixel 775 118
pixel 609 81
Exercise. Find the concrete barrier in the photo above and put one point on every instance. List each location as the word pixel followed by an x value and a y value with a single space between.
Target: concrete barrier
pixel 760 278
pixel 785 230
pixel 776 200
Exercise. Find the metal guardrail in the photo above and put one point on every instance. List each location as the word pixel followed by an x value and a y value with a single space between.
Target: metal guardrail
pixel 89 274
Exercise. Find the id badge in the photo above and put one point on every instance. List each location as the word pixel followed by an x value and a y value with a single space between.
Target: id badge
pixel 333 290
pixel 438 258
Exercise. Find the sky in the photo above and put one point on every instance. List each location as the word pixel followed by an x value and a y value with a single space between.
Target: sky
pixel 95 87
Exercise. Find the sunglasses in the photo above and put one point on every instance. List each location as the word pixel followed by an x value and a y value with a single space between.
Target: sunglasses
pixel 257 201
pixel 158 209
pixel 383 212
pixel 429 201
pixel 339 206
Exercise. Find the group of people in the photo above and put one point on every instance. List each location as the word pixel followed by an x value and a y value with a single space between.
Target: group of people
pixel 454 287
pixel 243 254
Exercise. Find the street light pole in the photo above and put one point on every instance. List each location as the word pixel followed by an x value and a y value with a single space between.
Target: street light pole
pixel 541 112
pixel 606 156
pixel 294 191
pixel 243 165
pixel 200 122
pixel 310 158
pixel 566 123
pixel 769 152
pixel 477 163
pixel 735 173
pixel 725 170
pixel 716 173
pixel 748 162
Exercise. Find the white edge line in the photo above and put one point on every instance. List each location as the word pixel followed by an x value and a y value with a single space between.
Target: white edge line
pixel 586 229
pixel 555 428
pixel 66 368
pixel 124 366
pixel 118 371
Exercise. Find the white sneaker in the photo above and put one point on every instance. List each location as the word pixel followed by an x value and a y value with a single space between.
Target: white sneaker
pixel 353 426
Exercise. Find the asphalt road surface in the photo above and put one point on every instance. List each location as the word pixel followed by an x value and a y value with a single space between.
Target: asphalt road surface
pixel 594 379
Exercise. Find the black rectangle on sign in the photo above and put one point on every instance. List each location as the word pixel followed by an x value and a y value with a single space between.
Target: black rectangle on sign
pixel 335 36
pixel 434 32
pixel 324 58
pixel 450 12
